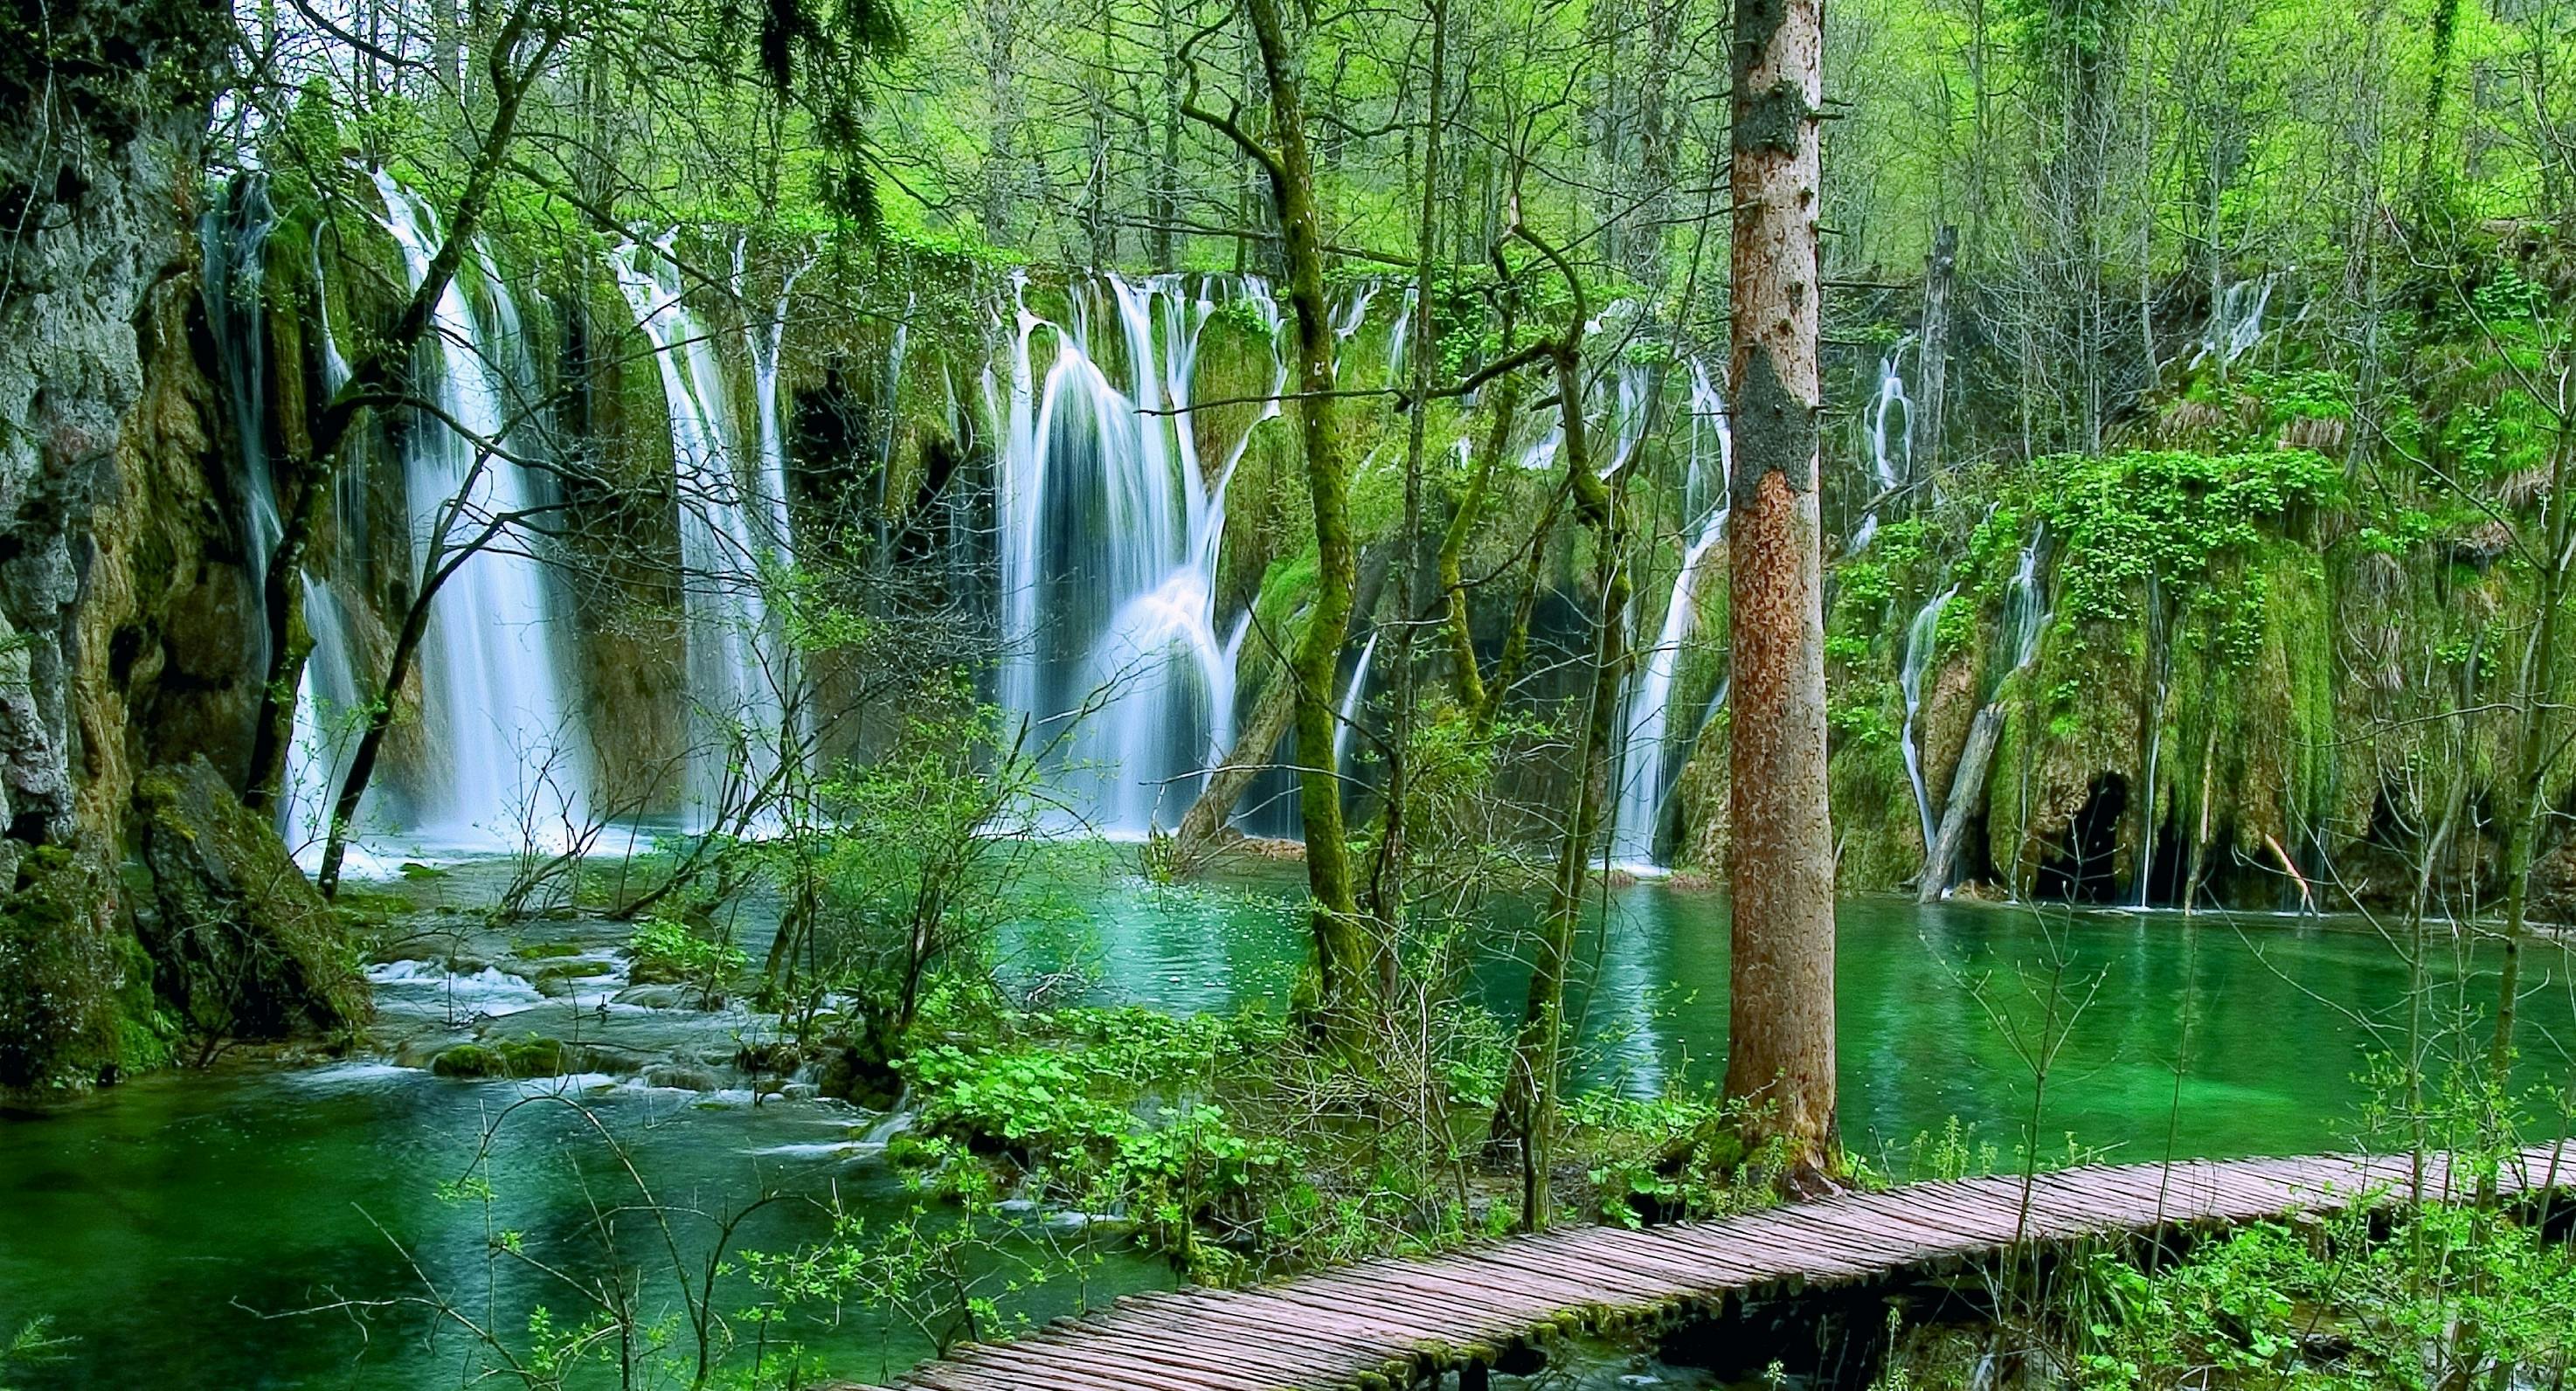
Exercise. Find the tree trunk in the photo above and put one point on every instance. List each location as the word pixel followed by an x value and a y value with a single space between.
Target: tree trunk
pixel 1780 1018
pixel 1465 678
pixel 1925 461
pixel 1527 1112
pixel 1343 956
pixel 1967 791
pixel 2533 747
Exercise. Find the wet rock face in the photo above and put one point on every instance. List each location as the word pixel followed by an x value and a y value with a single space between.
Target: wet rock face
pixel 242 946
pixel 100 131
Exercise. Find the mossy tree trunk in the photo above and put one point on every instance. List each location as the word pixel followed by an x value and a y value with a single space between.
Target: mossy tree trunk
pixel 1345 956
pixel 1780 1019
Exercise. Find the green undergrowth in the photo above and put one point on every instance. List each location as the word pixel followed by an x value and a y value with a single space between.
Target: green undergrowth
pixel 1227 1145
pixel 2412 1297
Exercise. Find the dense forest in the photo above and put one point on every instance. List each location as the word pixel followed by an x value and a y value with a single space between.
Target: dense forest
pixel 742 692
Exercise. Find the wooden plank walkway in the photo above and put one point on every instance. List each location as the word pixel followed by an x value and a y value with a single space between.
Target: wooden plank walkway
pixel 1387 1323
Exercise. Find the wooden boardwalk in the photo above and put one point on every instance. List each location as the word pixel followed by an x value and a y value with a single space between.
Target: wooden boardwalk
pixel 1390 1323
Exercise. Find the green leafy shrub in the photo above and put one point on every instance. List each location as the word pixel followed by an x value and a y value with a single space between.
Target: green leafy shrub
pixel 669 950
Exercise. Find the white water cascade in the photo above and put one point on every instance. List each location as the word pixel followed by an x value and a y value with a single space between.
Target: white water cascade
pixel 327 696
pixel 2235 322
pixel 733 531
pixel 234 235
pixel 1349 722
pixel 2025 613
pixel 1890 460
pixel 1920 637
pixel 1645 765
pixel 1110 526
pixel 510 754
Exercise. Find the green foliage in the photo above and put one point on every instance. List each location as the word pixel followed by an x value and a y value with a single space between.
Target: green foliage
pixel 2169 514
pixel 33 1343
pixel 668 949
pixel 2451 1292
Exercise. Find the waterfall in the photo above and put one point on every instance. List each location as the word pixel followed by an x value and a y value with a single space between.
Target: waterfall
pixel 324 735
pixel 1645 763
pixel 2235 325
pixel 495 706
pixel 2024 617
pixel 1889 465
pixel 328 692
pixel 1920 638
pixel 233 234
pixel 1110 527
pixel 733 530
pixel 1401 334
pixel 1350 712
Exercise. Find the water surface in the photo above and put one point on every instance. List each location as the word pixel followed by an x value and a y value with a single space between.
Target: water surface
pixel 172 1226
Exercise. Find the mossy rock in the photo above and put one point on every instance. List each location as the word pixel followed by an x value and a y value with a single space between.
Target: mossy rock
pixel 533 1056
pixel 76 1005
pixel 655 970
pixel 242 946
pixel 547 951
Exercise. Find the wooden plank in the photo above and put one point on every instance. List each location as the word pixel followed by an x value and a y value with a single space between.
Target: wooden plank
pixel 1328 1328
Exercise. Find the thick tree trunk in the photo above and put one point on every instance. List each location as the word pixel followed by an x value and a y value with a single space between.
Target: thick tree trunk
pixel 1780 1019
pixel 1967 792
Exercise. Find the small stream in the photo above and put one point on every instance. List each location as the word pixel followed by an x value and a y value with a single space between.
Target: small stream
pixel 172 1226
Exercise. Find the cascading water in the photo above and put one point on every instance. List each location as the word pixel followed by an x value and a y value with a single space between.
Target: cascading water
pixel 1645 753
pixel 2025 618
pixel 2235 322
pixel 1920 637
pixel 1889 465
pixel 1401 334
pixel 733 527
pixel 494 702
pixel 317 755
pixel 327 694
pixel 1110 532
pixel 234 235
pixel 1349 723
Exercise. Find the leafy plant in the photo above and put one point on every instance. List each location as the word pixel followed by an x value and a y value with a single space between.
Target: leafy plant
pixel 667 949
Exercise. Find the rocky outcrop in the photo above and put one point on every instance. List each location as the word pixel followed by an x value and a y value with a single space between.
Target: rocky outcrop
pixel 125 605
pixel 242 946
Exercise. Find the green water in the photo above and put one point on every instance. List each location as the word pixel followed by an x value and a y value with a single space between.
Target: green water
pixel 170 1227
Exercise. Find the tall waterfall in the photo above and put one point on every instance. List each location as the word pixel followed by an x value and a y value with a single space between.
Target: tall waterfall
pixel 1920 638
pixel 1645 765
pixel 1891 460
pixel 328 693
pixel 1110 526
pixel 733 529
pixel 234 236
pixel 495 703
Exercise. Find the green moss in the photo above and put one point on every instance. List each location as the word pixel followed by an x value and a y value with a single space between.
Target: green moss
pixel 532 1056
pixel 60 1024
